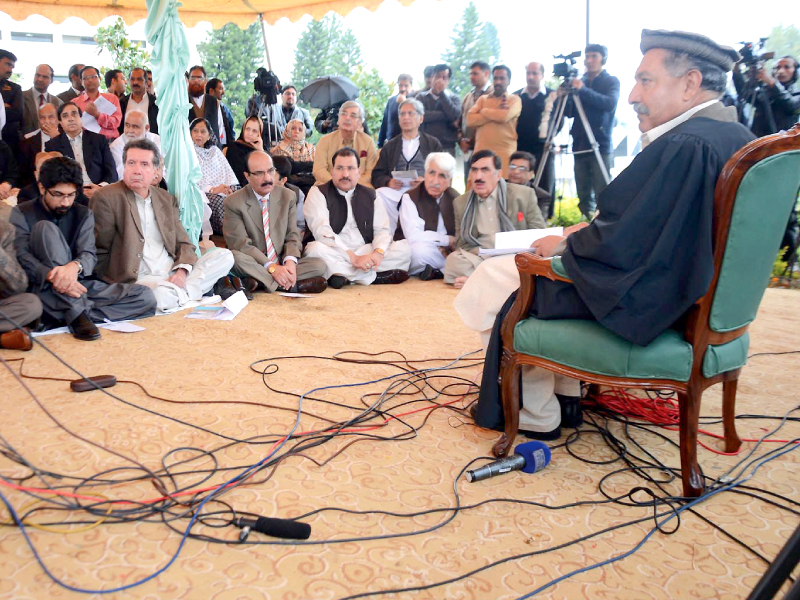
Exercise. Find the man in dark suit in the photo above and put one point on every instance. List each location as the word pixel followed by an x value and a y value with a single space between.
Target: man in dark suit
pixel 88 148
pixel 12 98
pixel 140 237
pixel 272 262
pixel 34 142
pixel 36 97
pixel 76 83
pixel 139 99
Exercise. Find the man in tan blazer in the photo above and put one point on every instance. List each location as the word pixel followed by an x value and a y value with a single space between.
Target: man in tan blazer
pixel 490 207
pixel 351 115
pixel 274 263
pixel 140 237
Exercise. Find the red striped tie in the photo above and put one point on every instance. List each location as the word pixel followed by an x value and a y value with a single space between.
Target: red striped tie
pixel 272 257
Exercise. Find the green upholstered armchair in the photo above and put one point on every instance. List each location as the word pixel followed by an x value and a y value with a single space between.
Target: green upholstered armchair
pixel 753 197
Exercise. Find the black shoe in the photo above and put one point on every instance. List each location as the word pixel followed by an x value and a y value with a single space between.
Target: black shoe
pixel 312 285
pixel 571 415
pixel 82 328
pixel 429 273
pixel 239 286
pixel 337 282
pixel 224 288
pixel 543 436
pixel 390 277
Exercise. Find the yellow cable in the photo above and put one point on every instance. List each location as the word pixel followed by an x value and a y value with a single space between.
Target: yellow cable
pixel 51 528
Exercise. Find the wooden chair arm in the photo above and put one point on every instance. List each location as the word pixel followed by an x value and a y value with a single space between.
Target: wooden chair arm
pixel 530 264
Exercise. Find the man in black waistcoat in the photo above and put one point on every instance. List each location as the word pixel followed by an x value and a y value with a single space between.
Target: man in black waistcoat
pixel 427 220
pixel 537 107
pixel 55 245
pixel 350 229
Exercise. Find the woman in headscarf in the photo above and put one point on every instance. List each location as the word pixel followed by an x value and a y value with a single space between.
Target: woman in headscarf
pixel 249 139
pixel 218 179
pixel 294 144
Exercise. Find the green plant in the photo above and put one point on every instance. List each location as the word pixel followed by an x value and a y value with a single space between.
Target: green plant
pixel 566 212
pixel 125 54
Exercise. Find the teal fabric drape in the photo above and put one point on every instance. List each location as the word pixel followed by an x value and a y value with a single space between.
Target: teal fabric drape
pixel 170 59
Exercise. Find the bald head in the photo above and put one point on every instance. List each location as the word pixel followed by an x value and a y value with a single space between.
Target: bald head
pixel 534 73
pixel 136 124
pixel 48 120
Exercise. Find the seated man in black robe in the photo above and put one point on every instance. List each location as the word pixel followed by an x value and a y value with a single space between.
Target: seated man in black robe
pixel 647 257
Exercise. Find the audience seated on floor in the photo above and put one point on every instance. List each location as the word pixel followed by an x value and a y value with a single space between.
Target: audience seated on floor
pixel 427 221
pixel 19 308
pixel 55 244
pixel 140 238
pixel 349 229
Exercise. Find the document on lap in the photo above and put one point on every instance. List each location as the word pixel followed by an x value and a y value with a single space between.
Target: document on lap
pixel 514 242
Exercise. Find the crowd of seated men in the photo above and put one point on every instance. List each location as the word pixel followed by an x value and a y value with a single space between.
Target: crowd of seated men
pixel 93 234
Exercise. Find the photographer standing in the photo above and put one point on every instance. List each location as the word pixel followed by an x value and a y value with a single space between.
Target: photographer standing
pixel 774 99
pixel 599 93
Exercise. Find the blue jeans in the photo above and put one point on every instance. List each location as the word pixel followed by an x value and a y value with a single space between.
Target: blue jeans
pixel 589 180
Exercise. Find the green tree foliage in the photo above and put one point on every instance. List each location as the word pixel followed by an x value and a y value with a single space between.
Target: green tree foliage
pixel 783 41
pixel 466 47
pixel 374 94
pixel 326 47
pixel 233 55
pixel 125 54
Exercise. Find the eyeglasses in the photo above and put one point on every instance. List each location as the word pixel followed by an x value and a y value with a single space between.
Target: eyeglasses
pixel 408 113
pixel 520 168
pixel 89 77
pixel 261 174
pixel 61 195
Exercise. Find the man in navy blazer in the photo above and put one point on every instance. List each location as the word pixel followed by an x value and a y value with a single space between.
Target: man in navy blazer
pixel 88 148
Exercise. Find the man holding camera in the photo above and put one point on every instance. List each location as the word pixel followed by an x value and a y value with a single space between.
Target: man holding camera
pixel 599 93
pixel 774 98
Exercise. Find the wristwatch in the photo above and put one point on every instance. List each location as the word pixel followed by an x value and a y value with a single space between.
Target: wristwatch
pixel 271 269
pixel 80 266
pixel 380 251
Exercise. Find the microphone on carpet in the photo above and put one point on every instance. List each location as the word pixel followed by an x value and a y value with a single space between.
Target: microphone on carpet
pixel 287 529
pixel 528 457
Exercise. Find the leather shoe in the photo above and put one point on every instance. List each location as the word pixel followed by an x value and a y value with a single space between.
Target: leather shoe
pixel 82 328
pixel 312 285
pixel 543 436
pixel 393 276
pixel 250 284
pixel 571 415
pixel 239 286
pixel 337 282
pixel 429 273
pixel 224 288
pixel 18 339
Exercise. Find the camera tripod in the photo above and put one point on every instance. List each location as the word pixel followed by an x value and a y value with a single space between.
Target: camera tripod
pixel 756 98
pixel 554 127
pixel 267 114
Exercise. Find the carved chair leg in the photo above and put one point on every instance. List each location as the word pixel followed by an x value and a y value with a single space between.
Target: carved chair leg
pixel 693 482
pixel 509 392
pixel 732 440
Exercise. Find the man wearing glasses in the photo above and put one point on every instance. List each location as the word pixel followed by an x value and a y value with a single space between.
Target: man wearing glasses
pixel 103 110
pixel 260 229
pixel 349 135
pixel 55 245
pixel 522 170
pixel 140 238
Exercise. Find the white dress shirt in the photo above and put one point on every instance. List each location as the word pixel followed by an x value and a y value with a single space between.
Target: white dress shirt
pixel 648 137
pixel 414 226
pixel 155 260
pixel 261 201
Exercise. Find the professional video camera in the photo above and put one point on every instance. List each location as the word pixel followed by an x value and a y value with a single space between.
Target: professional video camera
pixel 566 69
pixel 267 84
pixel 752 55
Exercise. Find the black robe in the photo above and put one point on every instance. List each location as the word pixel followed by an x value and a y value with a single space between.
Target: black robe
pixel 648 256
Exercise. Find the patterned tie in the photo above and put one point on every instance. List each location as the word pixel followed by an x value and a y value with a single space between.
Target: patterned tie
pixel 272 257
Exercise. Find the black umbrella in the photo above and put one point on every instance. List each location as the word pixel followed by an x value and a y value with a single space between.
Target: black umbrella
pixel 329 90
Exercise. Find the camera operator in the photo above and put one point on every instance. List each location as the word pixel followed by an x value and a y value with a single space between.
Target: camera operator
pixel 599 93
pixel 777 96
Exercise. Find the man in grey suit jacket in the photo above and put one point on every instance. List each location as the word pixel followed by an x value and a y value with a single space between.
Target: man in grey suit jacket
pixel 36 97
pixel 274 263
pixel 140 237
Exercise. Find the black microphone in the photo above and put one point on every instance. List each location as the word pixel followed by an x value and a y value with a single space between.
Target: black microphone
pixel 281 528
pixel 528 457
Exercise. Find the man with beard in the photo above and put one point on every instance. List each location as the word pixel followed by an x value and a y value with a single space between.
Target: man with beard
pixel 290 111
pixel 139 99
pixel 494 118
pixel 55 245
pixel 12 100
pixel 136 127
pixel 260 229
pixel 351 230
pixel 206 106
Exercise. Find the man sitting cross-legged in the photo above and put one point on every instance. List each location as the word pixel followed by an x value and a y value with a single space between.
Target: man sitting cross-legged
pixel 140 237
pixel 55 245
pixel 491 207
pixel 351 230
pixel 260 228
pixel 426 217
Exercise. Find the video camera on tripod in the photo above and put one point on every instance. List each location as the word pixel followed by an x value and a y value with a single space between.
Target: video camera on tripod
pixel 752 54
pixel 566 69
pixel 267 86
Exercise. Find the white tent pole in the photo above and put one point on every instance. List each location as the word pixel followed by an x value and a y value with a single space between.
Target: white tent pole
pixel 264 35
